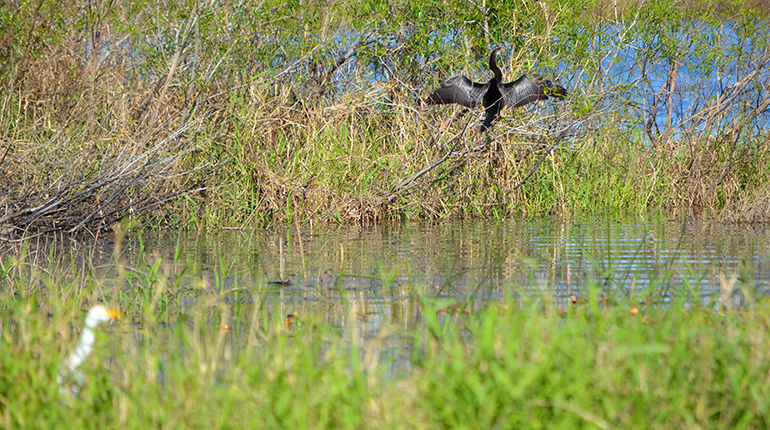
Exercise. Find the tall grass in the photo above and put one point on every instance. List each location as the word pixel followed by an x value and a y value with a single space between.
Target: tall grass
pixel 273 112
pixel 187 354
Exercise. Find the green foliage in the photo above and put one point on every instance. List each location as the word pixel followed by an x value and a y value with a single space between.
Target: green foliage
pixel 308 110
pixel 609 361
pixel 596 368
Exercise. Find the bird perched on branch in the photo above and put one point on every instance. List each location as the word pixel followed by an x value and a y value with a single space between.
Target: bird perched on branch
pixel 495 94
pixel 70 379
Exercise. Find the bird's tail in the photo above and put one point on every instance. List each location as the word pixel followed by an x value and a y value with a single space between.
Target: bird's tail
pixel 491 115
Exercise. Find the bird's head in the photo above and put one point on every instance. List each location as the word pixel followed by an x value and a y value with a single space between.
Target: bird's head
pixel 500 49
pixel 100 314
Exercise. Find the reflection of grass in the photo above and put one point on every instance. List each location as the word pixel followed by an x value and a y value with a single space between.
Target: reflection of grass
pixel 606 362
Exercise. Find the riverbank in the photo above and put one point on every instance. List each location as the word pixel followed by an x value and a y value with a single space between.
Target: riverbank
pixel 277 114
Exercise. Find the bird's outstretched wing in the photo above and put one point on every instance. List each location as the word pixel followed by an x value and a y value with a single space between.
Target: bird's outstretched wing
pixel 528 89
pixel 460 90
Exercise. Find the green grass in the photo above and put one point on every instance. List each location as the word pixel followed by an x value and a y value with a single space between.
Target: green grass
pixel 610 361
pixel 680 368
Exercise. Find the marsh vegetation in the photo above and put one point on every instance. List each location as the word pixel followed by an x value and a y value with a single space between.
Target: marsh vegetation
pixel 123 119
pixel 635 326
pixel 257 114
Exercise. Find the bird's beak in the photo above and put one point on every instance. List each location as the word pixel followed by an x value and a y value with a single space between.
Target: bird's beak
pixel 113 313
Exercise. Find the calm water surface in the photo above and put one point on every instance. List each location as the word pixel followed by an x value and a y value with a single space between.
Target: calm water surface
pixel 473 260
pixel 381 275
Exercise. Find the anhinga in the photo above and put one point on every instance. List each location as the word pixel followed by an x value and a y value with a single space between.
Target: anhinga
pixel 495 94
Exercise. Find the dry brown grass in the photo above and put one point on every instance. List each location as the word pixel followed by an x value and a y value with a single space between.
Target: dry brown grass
pixel 197 121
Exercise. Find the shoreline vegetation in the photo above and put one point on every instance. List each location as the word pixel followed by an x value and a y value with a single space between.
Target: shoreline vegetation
pixel 220 115
pixel 256 114
pixel 202 355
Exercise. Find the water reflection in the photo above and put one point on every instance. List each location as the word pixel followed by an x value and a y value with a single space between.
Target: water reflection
pixel 370 282
pixel 372 286
pixel 476 260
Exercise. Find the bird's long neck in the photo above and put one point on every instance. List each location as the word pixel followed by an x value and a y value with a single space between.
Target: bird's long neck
pixel 493 66
pixel 82 350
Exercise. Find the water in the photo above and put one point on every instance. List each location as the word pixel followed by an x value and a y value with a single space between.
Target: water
pixel 375 284
pixel 470 261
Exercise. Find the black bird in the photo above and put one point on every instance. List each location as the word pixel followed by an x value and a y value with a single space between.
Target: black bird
pixel 495 94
